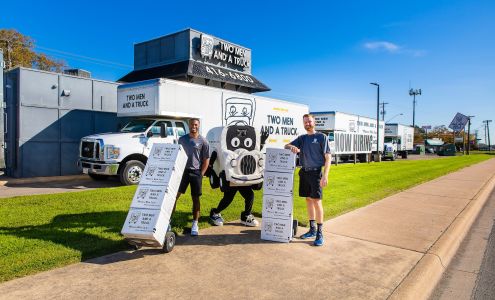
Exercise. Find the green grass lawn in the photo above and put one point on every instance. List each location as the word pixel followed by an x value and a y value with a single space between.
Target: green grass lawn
pixel 42 232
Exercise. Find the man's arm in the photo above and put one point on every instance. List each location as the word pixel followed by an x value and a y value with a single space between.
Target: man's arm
pixel 204 166
pixel 326 170
pixel 292 146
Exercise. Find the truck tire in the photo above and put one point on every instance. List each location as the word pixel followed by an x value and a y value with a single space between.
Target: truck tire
pixel 404 155
pixel 131 173
pixel 98 177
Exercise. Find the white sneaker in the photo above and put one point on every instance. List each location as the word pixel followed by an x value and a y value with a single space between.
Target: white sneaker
pixel 250 221
pixel 194 229
pixel 216 219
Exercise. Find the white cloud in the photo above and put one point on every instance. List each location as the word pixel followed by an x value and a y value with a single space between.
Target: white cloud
pixel 383 45
pixel 393 48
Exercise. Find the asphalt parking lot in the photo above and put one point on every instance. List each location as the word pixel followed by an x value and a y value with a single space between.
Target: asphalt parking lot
pixel 11 187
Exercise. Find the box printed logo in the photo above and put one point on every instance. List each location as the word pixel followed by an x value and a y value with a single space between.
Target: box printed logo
pixel 142 193
pixel 151 170
pixel 268 226
pixel 134 217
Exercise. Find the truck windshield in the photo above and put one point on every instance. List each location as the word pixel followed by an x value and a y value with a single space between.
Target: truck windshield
pixel 388 139
pixel 137 126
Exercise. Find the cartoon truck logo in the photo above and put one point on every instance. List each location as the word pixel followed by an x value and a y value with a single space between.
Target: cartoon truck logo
pixel 236 158
pixel 239 111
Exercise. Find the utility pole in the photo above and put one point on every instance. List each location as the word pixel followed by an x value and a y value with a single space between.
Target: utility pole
pixel 383 110
pixel 488 133
pixel 413 93
pixel 469 132
pixel 377 120
pixel 484 127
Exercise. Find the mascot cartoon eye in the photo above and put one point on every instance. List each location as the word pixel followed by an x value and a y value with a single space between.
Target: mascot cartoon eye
pixel 235 142
pixel 248 142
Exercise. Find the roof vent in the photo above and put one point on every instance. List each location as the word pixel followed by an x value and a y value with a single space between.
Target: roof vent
pixel 78 72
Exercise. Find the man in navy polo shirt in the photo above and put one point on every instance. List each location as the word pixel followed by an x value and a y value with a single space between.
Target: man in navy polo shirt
pixel 314 153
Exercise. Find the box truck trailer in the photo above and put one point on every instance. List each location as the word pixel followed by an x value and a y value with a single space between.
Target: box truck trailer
pixel 351 136
pixel 160 109
pixel 399 140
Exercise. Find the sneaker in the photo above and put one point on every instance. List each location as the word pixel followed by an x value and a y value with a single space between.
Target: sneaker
pixel 194 229
pixel 308 235
pixel 250 221
pixel 216 219
pixel 319 240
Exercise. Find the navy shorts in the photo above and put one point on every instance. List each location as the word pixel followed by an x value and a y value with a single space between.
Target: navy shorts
pixel 194 178
pixel 309 184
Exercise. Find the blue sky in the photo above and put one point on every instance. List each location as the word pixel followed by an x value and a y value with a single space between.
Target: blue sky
pixel 322 53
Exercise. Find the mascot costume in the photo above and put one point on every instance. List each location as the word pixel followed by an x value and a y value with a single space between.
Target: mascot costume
pixel 236 165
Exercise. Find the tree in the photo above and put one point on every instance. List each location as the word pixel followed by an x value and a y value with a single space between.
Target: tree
pixel 19 51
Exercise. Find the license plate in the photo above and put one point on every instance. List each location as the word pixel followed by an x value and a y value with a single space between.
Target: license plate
pixel 85 170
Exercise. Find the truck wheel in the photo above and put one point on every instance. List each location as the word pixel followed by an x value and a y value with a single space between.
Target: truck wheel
pixel 214 180
pixel 404 155
pixel 98 177
pixel 131 173
pixel 223 183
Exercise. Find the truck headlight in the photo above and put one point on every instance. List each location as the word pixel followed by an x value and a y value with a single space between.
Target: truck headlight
pixel 112 152
pixel 261 162
pixel 233 163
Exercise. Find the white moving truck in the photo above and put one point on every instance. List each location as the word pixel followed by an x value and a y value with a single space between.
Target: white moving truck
pixel 351 136
pixel 399 139
pixel 162 107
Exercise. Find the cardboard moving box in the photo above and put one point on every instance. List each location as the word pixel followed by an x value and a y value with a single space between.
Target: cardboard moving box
pixel 278 202
pixel 154 199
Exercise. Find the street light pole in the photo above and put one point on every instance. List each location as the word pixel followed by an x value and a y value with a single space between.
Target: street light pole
pixel 377 120
pixel 413 93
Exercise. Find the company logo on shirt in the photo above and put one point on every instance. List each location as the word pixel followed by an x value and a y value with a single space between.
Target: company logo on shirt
pixel 315 141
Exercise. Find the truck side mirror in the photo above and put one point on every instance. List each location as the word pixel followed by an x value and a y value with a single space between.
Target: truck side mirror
pixel 163 130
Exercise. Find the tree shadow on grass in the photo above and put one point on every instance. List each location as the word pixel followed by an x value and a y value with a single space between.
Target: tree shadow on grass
pixel 89 233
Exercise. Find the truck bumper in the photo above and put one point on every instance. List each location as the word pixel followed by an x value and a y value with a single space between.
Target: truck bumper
pixel 98 168
pixel 388 154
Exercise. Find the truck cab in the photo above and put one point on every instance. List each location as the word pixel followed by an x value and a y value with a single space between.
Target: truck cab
pixel 390 148
pixel 125 153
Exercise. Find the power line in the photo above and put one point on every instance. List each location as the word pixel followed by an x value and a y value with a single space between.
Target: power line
pixel 85 58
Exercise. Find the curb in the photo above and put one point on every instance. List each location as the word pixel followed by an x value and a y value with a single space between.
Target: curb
pixel 17 181
pixel 424 277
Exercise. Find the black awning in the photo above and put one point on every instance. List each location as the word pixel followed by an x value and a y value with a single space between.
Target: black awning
pixel 169 71
pixel 197 69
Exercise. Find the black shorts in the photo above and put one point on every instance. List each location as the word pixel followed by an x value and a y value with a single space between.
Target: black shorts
pixel 194 178
pixel 309 184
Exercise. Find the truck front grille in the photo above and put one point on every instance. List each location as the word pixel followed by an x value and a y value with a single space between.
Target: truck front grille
pixel 90 150
pixel 248 165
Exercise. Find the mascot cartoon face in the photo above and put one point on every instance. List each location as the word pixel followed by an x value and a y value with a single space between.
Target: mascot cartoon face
pixel 241 137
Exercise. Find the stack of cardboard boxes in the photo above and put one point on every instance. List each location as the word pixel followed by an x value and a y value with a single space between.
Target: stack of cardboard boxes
pixel 276 224
pixel 153 202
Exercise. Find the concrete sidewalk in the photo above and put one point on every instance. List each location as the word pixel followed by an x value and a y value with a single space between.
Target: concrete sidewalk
pixel 395 248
